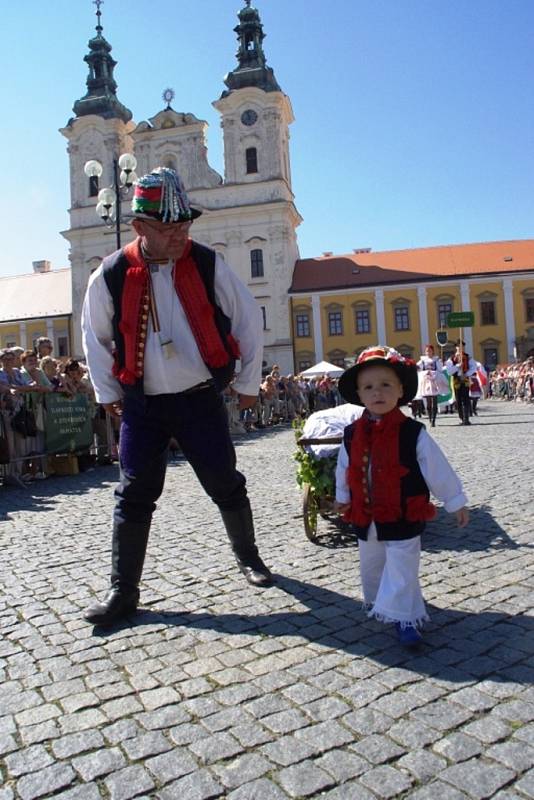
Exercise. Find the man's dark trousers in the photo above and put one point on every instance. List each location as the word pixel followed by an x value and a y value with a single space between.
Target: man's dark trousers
pixel 461 394
pixel 198 421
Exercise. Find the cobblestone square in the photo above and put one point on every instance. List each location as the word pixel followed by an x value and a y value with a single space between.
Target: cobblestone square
pixel 220 690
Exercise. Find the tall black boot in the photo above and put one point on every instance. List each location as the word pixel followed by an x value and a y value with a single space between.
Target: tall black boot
pixel 240 529
pixel 128 548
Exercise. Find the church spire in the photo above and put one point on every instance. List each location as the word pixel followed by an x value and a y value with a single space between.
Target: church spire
pixel 252 69
pixel 101 98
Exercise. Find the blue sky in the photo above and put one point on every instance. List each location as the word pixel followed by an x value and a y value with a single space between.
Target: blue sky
pixel 414 119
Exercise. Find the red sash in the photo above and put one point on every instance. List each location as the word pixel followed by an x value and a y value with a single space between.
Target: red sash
pixel 192 293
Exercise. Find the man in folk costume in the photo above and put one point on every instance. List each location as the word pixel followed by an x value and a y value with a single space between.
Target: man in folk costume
pixel 387 466
pixel 177 319
pixel 461 366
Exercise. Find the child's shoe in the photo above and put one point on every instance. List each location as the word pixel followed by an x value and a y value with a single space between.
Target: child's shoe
pixel 408 636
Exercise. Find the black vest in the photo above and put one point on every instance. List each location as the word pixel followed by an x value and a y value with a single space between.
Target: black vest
pixel 412 485
pixel 114 269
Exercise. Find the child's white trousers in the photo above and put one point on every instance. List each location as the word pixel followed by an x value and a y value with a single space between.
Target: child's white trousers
pixel 390 579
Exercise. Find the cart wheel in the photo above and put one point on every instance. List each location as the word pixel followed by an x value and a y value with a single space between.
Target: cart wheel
pixel 310 510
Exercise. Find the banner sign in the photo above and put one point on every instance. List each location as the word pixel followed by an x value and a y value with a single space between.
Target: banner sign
pixel 68 425
pixel 461 319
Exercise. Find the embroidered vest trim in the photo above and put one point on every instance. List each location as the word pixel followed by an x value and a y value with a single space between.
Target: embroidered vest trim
pixel 396 497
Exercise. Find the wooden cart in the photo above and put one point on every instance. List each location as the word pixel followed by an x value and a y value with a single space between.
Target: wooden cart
pixel 317 507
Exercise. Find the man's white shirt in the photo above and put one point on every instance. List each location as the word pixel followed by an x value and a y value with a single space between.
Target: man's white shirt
pixel 185 367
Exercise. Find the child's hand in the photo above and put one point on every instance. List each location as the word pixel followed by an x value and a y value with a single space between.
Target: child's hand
pixel 462 517
pixel 341 508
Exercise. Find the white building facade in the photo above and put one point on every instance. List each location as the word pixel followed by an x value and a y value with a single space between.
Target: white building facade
pixel 249 214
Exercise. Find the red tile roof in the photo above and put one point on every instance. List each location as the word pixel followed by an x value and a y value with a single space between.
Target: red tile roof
pixel 421 264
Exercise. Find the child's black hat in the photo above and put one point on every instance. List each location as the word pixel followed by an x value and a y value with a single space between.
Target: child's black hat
pixel 378 355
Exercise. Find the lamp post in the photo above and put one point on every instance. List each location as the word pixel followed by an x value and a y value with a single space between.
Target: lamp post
pixel 108 206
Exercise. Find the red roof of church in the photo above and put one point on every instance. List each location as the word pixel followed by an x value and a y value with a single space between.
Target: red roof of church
pixel 420 264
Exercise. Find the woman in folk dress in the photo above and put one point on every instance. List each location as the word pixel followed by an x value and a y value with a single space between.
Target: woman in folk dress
pixel 430 366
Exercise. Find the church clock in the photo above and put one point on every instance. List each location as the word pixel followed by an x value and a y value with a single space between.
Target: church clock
pixel 249 117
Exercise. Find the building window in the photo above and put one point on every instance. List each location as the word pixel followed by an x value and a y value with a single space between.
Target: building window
pixel 444 309
pixel 363 321
pixel 62 346
pixel 304 365
pixel 251 156
pixel 487 312
pixel 256 263
pixel 491 357
pixel 303 325
pixel 402 318
pixel 338 362
pixel 529 309
pixel 264 317
pixel 93 186
pixel 335 323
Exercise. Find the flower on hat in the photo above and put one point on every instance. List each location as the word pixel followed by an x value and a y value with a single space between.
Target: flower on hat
pixel 405 368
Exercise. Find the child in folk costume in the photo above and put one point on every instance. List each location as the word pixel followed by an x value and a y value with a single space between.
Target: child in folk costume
pixel 386 466
pixel 430 367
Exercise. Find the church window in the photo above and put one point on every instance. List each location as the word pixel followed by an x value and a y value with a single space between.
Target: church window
pixel 256 263
pixel 402 318
pixel 487 312
pixel 529 309
pixel 264 316
pixel 251 156
pixel 93 186
pixel 304 365
pixel 335 323
pixel 302 325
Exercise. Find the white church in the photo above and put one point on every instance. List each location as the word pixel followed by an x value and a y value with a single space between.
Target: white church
pixel 249 215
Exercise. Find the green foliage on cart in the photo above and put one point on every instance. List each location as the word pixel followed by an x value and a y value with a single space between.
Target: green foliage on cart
pixel 319 473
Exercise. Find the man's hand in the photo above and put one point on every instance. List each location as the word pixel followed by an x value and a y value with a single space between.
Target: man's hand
pixel 462 517
pixel 246 400
pixel 341 508
pixel 114 409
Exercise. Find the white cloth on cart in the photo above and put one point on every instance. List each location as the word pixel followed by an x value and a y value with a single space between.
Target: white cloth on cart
pixel 327 424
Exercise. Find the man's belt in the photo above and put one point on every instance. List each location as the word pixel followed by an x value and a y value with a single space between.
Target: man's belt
pixel 199 387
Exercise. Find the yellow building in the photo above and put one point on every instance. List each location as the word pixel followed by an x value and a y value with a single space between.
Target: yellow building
pixel 37 304
pixel 341 304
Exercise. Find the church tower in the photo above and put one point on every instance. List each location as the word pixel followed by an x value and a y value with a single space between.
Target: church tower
pixel 249 213
pixel 100 130
pixel 260 231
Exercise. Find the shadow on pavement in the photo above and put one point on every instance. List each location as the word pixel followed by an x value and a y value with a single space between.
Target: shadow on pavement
pixel 460 647
pixel 40 495
pixel 482 533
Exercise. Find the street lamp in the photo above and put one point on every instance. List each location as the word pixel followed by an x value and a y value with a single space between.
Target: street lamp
pixel 108 206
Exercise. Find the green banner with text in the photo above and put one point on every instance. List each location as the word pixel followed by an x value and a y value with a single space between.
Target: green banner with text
pixel 68 425
pixel 461 319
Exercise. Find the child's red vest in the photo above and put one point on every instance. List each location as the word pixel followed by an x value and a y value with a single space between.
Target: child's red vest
pixel 384 477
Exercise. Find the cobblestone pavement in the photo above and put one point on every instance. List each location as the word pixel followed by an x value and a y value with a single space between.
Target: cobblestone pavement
pixel 219 690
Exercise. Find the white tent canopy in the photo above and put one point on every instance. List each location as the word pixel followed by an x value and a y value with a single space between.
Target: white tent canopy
pixel 323 368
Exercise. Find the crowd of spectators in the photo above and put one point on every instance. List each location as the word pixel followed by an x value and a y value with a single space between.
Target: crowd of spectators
pixel 26 378
pixel 281 399
pixel 513 381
